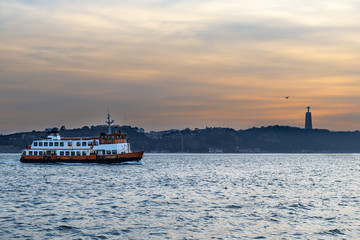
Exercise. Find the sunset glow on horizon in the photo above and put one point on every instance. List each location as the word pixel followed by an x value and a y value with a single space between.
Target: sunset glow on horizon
pixel 176 64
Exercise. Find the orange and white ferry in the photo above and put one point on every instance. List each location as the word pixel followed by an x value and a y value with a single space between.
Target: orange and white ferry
pixel 108 148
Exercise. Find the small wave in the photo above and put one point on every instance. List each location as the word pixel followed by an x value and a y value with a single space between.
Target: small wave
pixel 299 205
pixel 332 232
pixel 234 206
pixel 260 237
pixel 274 220
pixel 66 228
pixel 159 234
pixel 114 233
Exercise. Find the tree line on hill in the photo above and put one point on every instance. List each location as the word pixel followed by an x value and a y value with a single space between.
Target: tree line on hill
pixel 271 139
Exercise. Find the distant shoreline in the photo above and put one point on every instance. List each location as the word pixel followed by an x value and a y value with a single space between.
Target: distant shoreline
pixel 271 139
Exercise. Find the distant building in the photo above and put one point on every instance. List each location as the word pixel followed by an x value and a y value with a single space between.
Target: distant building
pixel 215 150
pixel 308 121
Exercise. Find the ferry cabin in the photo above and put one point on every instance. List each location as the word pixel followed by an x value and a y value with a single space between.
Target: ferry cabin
pixel 105 145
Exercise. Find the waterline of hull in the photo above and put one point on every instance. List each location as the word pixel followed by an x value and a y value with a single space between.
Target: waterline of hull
pixel 99 160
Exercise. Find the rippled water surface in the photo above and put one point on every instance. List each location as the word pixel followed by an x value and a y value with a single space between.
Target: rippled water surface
pixel 184 196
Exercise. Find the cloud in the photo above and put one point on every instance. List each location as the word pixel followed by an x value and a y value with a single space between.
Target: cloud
pixel 172 64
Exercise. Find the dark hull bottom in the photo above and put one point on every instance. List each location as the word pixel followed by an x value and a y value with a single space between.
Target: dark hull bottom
pixel 98 160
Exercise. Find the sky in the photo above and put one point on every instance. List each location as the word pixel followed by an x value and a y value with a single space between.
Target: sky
pixel 164 64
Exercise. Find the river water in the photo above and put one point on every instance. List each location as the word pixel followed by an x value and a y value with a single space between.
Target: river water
pixel 184 196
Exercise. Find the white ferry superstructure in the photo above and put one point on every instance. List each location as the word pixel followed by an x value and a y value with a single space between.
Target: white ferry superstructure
pixel 108 148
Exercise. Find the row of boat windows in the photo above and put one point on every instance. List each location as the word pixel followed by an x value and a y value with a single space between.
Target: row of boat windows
pixel 107 152
pixel 61 144
pixel 70 153
pixel 113 137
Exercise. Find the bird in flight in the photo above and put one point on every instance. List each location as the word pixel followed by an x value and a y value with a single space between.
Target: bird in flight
pixel 287 97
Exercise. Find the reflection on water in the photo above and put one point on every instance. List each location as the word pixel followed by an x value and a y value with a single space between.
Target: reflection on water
pixel 184 196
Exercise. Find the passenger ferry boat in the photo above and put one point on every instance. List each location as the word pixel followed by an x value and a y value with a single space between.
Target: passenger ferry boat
pixel 108 148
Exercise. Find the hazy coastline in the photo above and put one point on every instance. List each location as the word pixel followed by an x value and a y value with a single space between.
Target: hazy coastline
pixel 271 139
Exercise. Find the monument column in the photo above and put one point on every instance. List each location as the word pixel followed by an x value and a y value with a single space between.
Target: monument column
pixel 308 122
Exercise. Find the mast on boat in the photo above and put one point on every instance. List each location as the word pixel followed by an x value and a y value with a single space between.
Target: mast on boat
pixel 109 122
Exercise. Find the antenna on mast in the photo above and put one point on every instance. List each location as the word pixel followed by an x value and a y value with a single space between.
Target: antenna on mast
pixel 109 122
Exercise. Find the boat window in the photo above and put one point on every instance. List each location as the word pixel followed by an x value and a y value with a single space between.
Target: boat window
pixel 114 152
pixel 84 153
pixel 89 143
pixel 35 144
pixel 45 144
pixel 51 144
pixel 61 144
pixel 30 153
pixel 108 152
pixel 69 144
pixel 40 153
pixel 78 144
pixel 67 153
pixel 84 143
pixel 78 153
pixel 72 153
pixel 61 153
pixel 35 153
pixel 112 137
pixel 48 152
pixel 40 144
pixel 24 153
pixel 56 144
pixel 96 143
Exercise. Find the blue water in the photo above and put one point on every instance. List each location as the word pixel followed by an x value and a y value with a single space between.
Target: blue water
pixel 184 196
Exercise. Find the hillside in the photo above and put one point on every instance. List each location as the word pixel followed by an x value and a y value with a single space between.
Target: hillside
pixel 272 139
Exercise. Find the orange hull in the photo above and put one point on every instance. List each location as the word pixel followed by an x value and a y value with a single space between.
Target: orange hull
pixel 92 158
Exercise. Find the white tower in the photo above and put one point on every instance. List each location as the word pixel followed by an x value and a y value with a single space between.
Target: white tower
pixel 308 121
